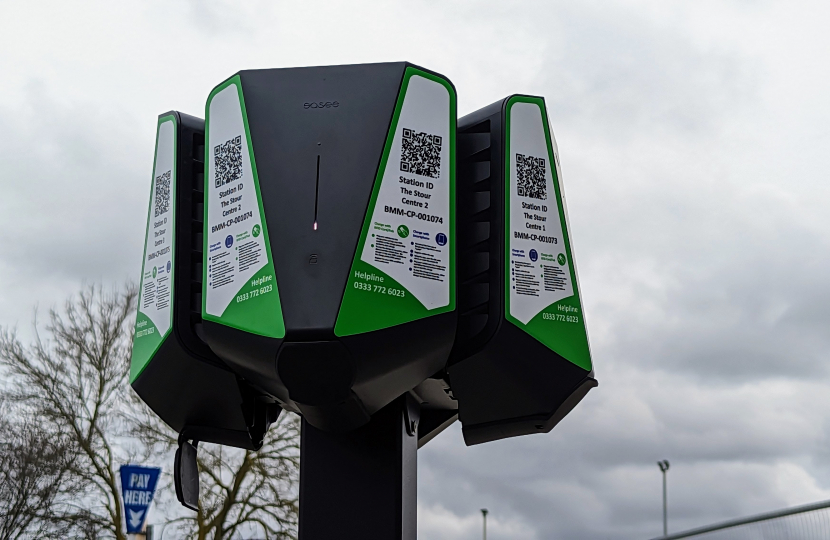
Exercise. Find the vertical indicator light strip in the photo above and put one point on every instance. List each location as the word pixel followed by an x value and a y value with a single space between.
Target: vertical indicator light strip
pixel 317 192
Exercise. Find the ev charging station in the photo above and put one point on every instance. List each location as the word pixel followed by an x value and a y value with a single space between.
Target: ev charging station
pixel 332 242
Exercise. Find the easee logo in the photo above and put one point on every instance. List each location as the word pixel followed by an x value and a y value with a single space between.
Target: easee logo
pixel 321 104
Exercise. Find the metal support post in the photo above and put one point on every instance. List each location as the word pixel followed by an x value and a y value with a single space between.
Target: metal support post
pixel 362 484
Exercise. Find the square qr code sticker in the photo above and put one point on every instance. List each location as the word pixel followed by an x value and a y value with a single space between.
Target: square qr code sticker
pixel 421 153
pixel 227 161
pixel 530 176
pixel 162 202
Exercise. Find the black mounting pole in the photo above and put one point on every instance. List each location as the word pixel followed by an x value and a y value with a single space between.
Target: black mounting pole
pixel 362 484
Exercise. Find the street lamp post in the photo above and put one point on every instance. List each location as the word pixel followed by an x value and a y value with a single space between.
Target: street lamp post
pixel 664 467
pixel 484 515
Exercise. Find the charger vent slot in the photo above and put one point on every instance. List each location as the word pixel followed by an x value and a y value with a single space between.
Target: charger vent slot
pixel 197 224
pixel 475 220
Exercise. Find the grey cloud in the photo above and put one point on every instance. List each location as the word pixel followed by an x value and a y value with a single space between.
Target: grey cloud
pixel 595 475
pixel 615 72
pixel 75 201
pixel 697 204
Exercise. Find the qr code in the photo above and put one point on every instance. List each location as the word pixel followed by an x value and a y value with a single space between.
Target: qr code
pixel 530 172
pixel 421 153
pixel 162 202
pixel 227 160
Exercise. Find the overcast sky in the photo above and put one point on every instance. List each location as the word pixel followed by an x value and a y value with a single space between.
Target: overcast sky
pixel 694 143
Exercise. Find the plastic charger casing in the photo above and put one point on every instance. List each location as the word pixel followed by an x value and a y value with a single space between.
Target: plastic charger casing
pixel 521 360
pixel 329 282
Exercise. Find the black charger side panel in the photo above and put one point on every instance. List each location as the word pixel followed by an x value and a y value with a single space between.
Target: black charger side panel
pixel 187 385
pixel 480 297
pixel 506 381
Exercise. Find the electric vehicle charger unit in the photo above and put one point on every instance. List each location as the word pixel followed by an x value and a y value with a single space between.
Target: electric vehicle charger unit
pixel 522 359
pixel 329 241
pixel 301 253
pixel 171 368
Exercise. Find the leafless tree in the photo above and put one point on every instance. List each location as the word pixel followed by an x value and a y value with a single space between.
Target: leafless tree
pixel 33 464
pixel 241 490
pixel 74 379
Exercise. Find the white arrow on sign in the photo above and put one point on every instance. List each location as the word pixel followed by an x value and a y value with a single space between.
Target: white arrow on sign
pixel 135 517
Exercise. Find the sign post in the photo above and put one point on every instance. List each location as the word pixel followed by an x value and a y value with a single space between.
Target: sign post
pixel 138 485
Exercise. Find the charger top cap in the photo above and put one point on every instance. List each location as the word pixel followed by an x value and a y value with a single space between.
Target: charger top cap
pixel 329 239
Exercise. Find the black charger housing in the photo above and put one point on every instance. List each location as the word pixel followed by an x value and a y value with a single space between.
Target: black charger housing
pixel 512 378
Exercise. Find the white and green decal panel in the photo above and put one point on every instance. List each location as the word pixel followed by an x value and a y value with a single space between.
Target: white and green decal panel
pixel 154 318
pixel 411 218
pixel 239 284
pixel 541 288
pixel 404 267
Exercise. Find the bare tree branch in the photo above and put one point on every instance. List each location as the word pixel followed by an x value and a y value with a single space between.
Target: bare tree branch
pixel 33 465
pixel 73 378
pixel 239 488
pixel 75 381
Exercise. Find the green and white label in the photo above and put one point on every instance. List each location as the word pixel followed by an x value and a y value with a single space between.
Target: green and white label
pixel 404 265
pixel 155 301
pixel 542 291
pixel 240 287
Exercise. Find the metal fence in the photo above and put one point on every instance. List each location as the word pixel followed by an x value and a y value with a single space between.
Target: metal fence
pixel 808 522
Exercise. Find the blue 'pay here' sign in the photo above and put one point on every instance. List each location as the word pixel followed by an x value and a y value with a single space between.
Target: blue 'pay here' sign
pixel 138 484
